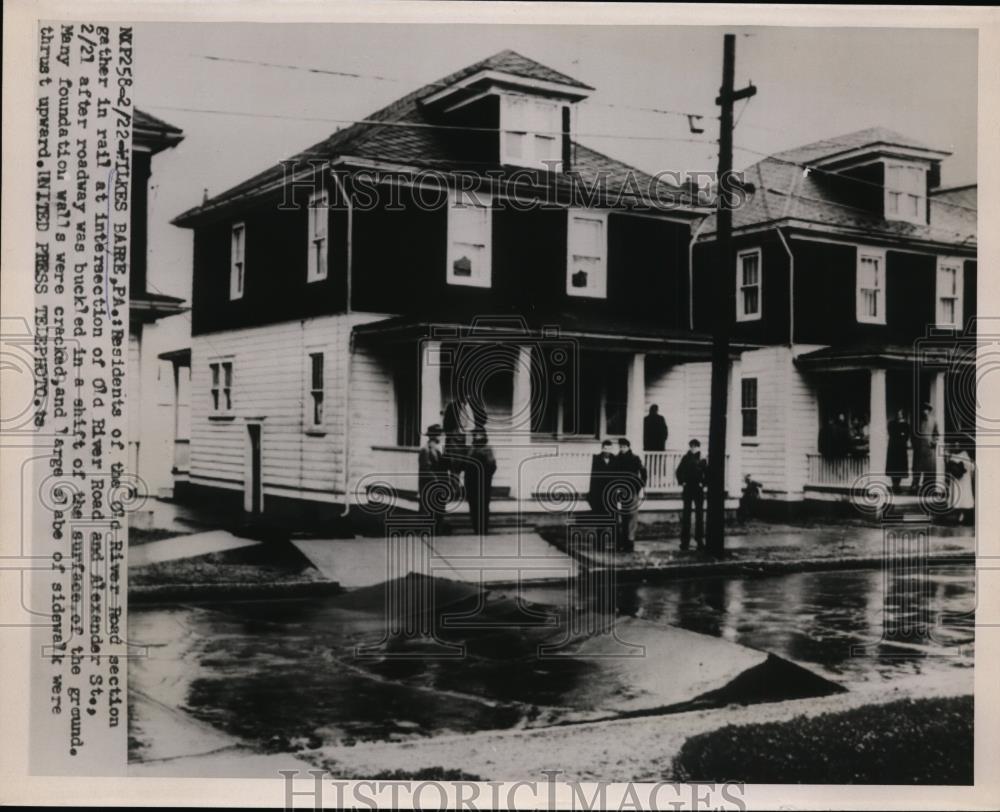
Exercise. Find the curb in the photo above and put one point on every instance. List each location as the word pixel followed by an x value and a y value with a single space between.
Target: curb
pixel 762 566
pixel 157 593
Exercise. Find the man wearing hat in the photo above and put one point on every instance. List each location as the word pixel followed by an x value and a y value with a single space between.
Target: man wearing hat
pixel 630 479
pixel 691 474
pixel 925 440
pixel 432 471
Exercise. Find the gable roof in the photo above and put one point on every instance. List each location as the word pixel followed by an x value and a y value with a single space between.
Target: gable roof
pixel 786 190
pixel 401 133
pixel 870 137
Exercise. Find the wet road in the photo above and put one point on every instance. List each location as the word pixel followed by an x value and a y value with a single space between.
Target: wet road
pixel 285 675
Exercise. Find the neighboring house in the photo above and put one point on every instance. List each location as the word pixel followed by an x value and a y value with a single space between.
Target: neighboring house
pixel 150 135
pixel 847 260
pixel 326 338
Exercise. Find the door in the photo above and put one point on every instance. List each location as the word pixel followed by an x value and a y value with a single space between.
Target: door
pixel 253 493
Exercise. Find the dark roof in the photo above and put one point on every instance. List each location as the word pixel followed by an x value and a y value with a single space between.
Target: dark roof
pixel 784 191
pixel 942 349
pixel 181 357
pixel 384 136
pixel 606 333
pixel 967 195
pixel 154 133
pixel 870 137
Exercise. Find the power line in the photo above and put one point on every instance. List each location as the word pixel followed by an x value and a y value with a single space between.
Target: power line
pixel 352 75
pixel 420 124
pixel 305 68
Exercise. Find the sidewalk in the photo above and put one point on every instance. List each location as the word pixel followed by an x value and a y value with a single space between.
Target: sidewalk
pixel 783 548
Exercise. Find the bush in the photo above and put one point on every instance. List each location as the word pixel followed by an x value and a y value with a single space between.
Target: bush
pixel 927 741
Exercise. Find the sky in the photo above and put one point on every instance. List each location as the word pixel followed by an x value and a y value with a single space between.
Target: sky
pixel 811 84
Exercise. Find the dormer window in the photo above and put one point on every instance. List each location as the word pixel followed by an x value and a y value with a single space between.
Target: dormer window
pixel 905 192
pixel 531 131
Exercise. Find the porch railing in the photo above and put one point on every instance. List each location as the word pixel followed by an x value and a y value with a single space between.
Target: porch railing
pixel 843 471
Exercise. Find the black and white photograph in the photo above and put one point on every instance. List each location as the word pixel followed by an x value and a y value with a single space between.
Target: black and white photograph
pixel 546 403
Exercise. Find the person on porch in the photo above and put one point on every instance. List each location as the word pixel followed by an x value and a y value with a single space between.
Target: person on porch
pixel 601 476
pixel 630 479
pixel 432 476
pixel 897 463
pixel 455 441
pixel 480 467
pixel 960 467
pixel 654 430
pixel 925 440
pixel 691 474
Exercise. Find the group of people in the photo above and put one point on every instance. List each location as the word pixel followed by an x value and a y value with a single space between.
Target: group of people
pixel 840 438
pixel 616 482
pixel 442 469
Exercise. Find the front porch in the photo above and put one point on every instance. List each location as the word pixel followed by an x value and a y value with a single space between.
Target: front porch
pixel 858 396
pixel 546 401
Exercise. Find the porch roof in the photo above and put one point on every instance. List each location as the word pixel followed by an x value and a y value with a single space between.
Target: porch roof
pixel 604 333
pixel 867 356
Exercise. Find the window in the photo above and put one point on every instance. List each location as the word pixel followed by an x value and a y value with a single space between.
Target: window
pixel 949 292
pixel 237 268
pixel 748 285
pixel 748 406
pixel 319 218
pixel 905 192
pixel 469 240
pixel 871 286
pixel 586 265
pixel 531 132
pixel 316 390
pixel 222 388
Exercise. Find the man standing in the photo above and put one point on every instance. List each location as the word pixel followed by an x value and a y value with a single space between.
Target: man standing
pixel 896 463
pixel 691 474
pixel 480 467
pixel 925 440
pixel 654 430
pixel 432 477
pixel 630 479
pixel 602 468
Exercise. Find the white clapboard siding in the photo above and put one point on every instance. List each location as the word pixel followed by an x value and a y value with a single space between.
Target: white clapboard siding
pixel 666 386
pixel 786 422
pixel 270 382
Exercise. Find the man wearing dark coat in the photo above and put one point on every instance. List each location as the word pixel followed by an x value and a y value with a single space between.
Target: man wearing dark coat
pixel 432 473
pixel 602 467
pixel 691 474
pixel 654 430
pixel 897 464
pixel 925 440
pixel 630 479
pixel 480 466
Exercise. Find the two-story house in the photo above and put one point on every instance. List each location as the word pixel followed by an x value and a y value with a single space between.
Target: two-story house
pixel 150 136
pixel 848 258
pixel 462 248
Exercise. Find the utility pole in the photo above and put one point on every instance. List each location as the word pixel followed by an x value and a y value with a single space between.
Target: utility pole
pixel 723 310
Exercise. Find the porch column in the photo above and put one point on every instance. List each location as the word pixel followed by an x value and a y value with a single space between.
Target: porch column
pixel 636 401
pixel 430 384
pixel 878 426
pixel 937 401
pixel 520 415
pixel 734 431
